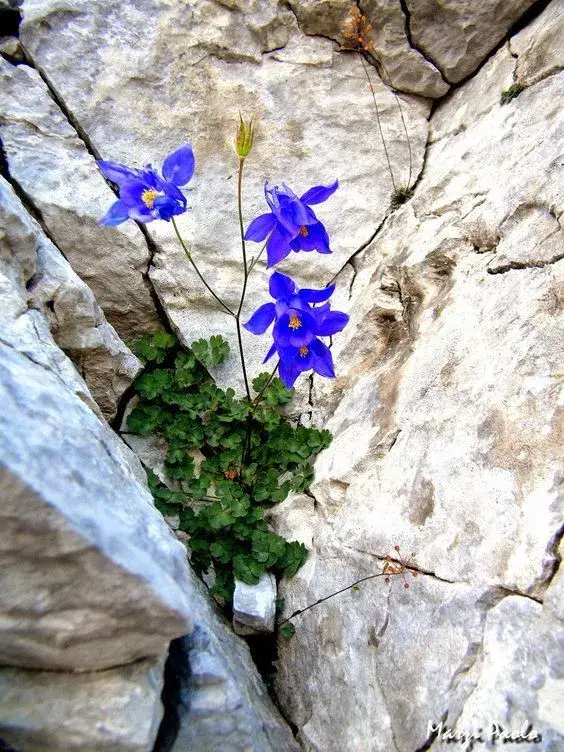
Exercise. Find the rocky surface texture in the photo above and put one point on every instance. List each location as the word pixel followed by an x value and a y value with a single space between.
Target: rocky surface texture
pixel 93 583
pixel 445 413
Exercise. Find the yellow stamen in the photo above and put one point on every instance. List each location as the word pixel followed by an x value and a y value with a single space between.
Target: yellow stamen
pixel 295 323
pixel 303 351
pixel 304 231
pixel 148 197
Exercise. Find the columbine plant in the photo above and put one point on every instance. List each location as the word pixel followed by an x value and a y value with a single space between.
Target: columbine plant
pixel 229 459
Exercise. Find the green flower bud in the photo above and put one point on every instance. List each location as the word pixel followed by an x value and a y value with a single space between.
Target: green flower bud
pixel 244 137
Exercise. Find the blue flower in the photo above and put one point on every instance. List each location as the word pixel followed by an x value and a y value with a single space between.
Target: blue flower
pixel 143 194
pixel 297 326
pixel 291 224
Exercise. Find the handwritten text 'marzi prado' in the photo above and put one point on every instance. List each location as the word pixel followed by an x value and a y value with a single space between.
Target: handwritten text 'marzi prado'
pixel 493 734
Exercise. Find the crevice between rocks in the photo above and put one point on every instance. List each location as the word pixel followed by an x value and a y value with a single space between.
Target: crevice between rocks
pixel 91 149
pixel 524 20
pixel 407 25
pixel 516 265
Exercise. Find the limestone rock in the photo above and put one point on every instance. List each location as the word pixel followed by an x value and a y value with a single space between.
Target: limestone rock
pixel 77 530
pixel 68 306
pixel 403 66
pixel 447 442
pixel 457 35
pixel 51 164
pixel 316 123
pixel 222 704
pixel 117 710
pixel 538 46
pixel 254 606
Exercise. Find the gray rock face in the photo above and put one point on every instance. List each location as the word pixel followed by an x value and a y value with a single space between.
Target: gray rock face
pixel 71 508
pixel 117 710
pixel 222 704
pixel 91 577
pixel 67 305
pixel 254 606
pixel 317 122
pixel 447 442
pixel 457 35
pixel 405 68
pixel 40 286
pixel 51 164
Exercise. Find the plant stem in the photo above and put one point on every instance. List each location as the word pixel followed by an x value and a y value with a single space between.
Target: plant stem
pixel 198 272
pixel 338 592
pixel 254 260
pixel 246 275
pixel 378 118
pixel 389 83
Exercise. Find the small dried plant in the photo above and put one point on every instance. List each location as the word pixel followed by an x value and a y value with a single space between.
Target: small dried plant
pixel 356 32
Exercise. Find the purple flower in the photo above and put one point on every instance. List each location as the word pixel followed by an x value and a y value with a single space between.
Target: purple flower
pixel 291 224
pixel 143 194
pixel 297 326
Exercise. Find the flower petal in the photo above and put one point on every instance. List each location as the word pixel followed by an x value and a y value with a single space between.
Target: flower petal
pixel 331 323
pixel 178 167
pixel 261 319
pixel 287 333
pixel 141 214
pixel 270 353
pixel 316 296
pixel 288 373
pixel 167 207
pixel 281 286
pixel 277 246
pixel 319 193
pixel 131 191
pixel 316 239
pixel 116 214
pixel 260 227
pixel 322 359
pixel 117 172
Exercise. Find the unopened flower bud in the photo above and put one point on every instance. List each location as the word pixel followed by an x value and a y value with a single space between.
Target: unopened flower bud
pixel 244 137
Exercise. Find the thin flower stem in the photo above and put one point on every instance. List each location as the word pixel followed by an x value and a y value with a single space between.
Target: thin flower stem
pixel 378 118
pixel 246 275
pixel 389 83
pixel 257 399
pixel 327 597
pixel 254 260
pixel 198 272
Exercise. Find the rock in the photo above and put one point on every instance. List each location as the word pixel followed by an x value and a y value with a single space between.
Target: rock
pixel 77 529
pixel 116 709
pixel 404 67
pixel 215 72
pixel 254 606
pixel 538 48
pixel 401 66
pixel 457 35
pixel 448 443
pixel 11 50
pixel 68 306
pixel 221 703
pixel 54 169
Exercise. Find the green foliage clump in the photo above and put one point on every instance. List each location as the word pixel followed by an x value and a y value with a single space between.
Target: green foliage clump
pixel 231 460
pixel 511 93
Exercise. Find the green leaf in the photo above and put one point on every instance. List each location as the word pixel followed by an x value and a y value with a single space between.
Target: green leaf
pixel 211 352
pixel 154 383
pixel 144 419
pixel 247 569
pixel 275 393
pixel 153 348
